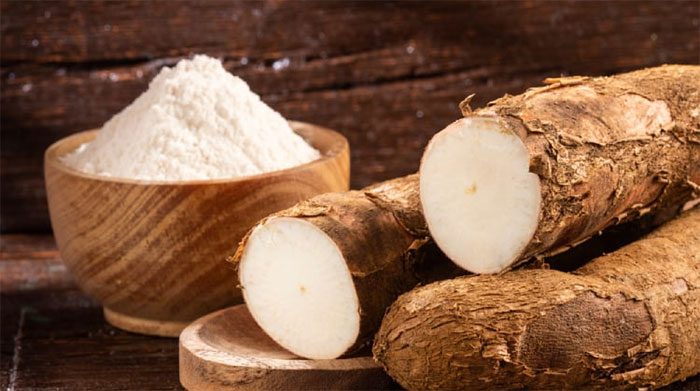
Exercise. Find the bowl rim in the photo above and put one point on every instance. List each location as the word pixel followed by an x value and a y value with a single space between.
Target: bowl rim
pixel 338 147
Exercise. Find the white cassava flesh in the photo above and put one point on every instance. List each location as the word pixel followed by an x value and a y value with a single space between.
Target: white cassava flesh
pixel 298 288
pixel 479 199
pixel 319 276
pixel 606 150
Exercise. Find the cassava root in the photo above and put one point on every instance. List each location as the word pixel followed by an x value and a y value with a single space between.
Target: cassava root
pixel 534 174
pixel 319 276
pixel 628 319
pixel 527 176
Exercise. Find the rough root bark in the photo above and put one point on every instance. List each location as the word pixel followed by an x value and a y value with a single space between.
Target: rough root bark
pixel 607 150
pixel 382 234
pixel 626 320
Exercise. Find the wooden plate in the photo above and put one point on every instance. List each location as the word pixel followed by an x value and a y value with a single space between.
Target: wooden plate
pixel 227 350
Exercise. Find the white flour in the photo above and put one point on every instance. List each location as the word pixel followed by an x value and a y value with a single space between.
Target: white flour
pixel 196 121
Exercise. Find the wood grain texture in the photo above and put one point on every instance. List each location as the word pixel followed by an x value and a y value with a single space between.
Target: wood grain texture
pixel 153 253
pixel 387 75
pixel 58 340
pixel 19 269
pixel 53 337
pixel 227 350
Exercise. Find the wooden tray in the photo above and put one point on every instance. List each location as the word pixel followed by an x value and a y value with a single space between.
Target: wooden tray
pixel 227 350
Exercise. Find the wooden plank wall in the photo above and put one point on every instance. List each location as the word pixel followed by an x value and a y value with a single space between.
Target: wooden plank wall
pixel 386 74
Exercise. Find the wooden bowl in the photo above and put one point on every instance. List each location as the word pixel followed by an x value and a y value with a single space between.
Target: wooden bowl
pixel 227 350
pixel 153 252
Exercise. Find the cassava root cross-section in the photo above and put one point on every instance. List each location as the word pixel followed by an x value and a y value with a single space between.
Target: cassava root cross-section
pixel 533 174
pixel 628 319
pixel 318 277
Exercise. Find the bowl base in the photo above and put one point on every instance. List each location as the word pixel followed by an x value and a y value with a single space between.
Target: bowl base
pixel 161 328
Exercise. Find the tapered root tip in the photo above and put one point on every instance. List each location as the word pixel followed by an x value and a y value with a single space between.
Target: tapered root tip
pixel 479 199
pixel 299 289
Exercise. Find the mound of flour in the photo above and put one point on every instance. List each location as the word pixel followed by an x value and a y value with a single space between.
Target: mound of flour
pixel 195 121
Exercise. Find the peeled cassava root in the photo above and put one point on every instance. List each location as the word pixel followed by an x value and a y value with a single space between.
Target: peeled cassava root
pixel 533 174
pixel 628 319
pixel 319 276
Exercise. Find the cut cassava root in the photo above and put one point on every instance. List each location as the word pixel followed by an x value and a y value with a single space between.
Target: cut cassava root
pixel 469 167
pixel 527 176
pixel 628 319
pixel 318 277
pixel 606 150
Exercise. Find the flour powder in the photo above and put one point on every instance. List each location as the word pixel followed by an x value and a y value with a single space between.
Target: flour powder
pixel 195 121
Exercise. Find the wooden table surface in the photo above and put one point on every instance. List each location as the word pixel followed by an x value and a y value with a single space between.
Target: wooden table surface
pixel 54 337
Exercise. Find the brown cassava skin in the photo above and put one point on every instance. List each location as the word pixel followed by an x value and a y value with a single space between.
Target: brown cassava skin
pixel 381 232
pixel 384 237
pixel 607 150
pixel 628 319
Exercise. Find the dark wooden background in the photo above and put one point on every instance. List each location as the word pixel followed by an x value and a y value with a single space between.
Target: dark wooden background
pixel 386 74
